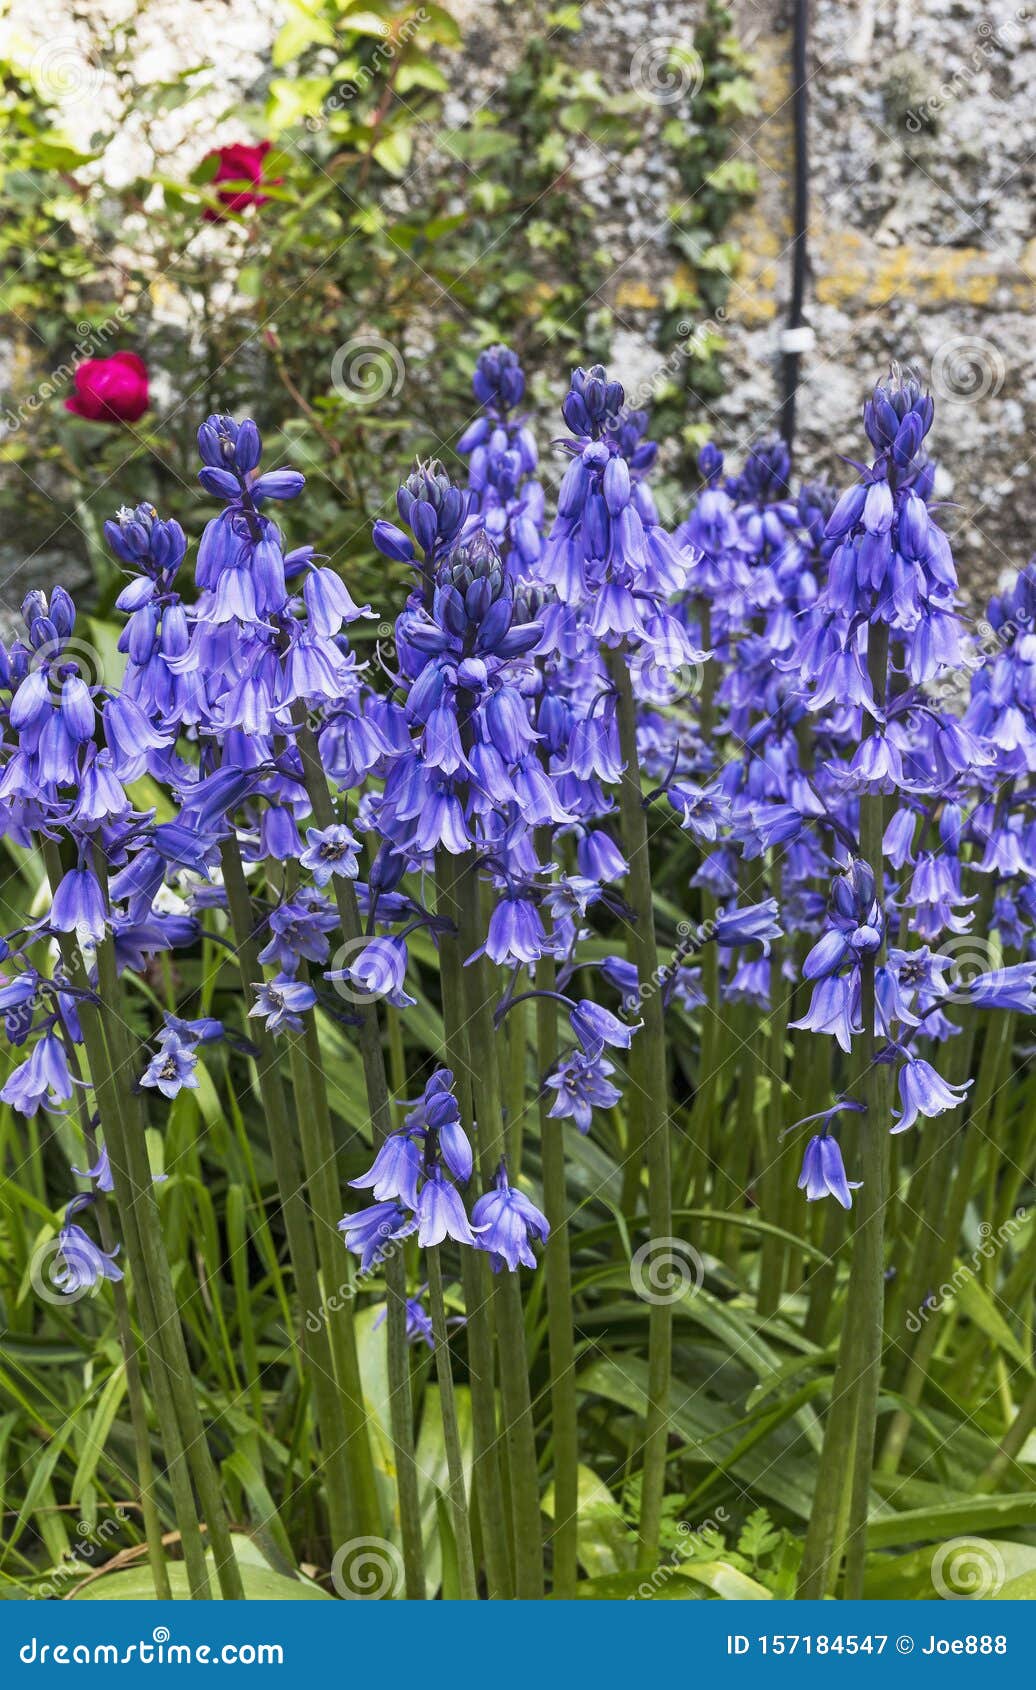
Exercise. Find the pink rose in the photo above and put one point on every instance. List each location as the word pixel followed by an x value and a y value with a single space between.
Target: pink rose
pixel 110 389
pixel 240 162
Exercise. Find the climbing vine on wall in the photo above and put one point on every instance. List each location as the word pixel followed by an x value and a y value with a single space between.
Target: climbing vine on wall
pixel 716 182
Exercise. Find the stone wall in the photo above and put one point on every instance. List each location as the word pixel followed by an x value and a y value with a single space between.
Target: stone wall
pixel 922 134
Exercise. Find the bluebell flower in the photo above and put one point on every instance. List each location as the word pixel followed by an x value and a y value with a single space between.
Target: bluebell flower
pixel 594 1027
pixel 371 1233
pixel 441 1213
pixel 173 1067
pixel 282 1003
pixel 418 1322
pixel 582 1084
pixel 42 1080
pixel 79 906
pixel 379 970
pixel 924 1092
pixel 329 851
pixel 396 1169
pixel 299 929
pixel 100 1172
pixel 823 1172
pixel 1011 987
pixel 81 1264
pixel 748 924
pixel 506 1222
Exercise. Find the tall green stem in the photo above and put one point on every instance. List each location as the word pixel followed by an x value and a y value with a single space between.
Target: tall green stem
pixel 319 1162
pixel 519 1435
pixel 140 1249
pixel 487 1483
pixel 332 1429
pixel 450 1429
pixel 558 1266
pixel 372 1056
pixel 649 1100
pixel 848 1451
pixel 131 1363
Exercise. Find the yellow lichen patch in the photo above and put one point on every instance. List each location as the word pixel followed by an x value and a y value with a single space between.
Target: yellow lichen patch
pixel 853 273
pixel 635 296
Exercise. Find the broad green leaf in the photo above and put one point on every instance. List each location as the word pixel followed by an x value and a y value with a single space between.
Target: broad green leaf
pixel 605 1543
pixel 664 1584
pixel 726 1581
pixel 974 1300
pixel 956 1519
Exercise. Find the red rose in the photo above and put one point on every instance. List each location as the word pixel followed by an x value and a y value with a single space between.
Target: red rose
pixel 240 162
pixel 110 389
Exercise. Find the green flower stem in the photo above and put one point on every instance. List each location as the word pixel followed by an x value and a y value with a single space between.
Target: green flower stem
pixel 649 1100
pixel 131 1362
pixel 692 1186
pixel 777 1153
pixel 848 1451
pixel 517 1050
pixel 160 1284
pixel 995 1053
pixel 558 1267
pixel 102 1066
pixel 1011 1444
pixel 450 1429
pixel 519 1432
pixel 320 1164
pixel 487 1484
pixel 330 1418
pixel 372 1056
